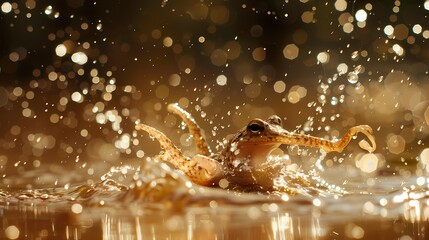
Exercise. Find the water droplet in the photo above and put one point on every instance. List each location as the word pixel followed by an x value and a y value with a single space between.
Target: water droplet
pixel 355 55
pixel 352 77
pixel 48 10
pixel 342 68
pixel 359 69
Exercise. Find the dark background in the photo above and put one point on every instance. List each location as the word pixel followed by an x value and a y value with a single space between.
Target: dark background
pixel 128 52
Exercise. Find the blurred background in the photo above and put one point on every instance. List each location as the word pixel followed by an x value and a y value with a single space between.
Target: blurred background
pixel 77 75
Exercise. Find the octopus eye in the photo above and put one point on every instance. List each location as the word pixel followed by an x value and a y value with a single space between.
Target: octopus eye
pixel 255 127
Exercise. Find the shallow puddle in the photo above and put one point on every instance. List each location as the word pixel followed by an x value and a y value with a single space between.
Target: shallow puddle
pixel 175 209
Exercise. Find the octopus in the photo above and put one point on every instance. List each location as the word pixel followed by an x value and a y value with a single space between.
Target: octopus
pixel 243 157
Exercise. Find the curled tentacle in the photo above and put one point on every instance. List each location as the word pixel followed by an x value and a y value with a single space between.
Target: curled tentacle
pixel 171 152
pixel 282 136
pixel 200 142
pixel 199 169
pixel 339 145
pixel 367 131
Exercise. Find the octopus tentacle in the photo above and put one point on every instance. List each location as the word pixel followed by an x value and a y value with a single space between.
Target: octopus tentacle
pixel 199 169
pixel 366 130
pixel 171 152
pixel 339 145
pixel 329 145
pixel 200 142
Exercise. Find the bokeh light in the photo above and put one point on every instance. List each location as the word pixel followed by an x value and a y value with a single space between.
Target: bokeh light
pixel 290 51
pixel 6 7
pixel 361 15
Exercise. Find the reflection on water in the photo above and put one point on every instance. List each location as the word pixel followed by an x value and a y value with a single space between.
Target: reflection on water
pixel 292 220
pixel 175 209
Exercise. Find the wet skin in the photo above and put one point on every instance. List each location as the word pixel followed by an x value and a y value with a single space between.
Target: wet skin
pixel 246 151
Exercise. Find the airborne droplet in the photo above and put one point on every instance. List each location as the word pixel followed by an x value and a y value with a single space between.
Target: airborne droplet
pixel 352 77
